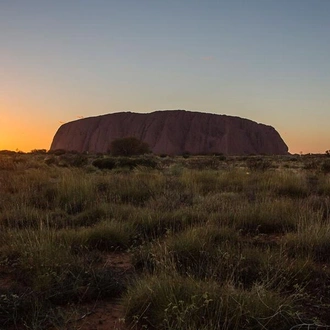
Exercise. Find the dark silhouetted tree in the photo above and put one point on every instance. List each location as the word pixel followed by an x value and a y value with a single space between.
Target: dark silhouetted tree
pixel 129 146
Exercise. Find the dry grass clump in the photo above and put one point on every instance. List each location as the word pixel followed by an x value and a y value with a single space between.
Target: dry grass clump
pixel 201 251
pixel 260 216
pixel 312 238
pixel 266 217
pixel 176 302
pixel 107 236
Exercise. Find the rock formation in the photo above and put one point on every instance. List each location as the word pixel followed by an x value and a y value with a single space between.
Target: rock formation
pixel 172 132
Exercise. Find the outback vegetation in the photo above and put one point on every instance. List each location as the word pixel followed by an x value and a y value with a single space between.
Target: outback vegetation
pixel 129 146
pixel 210 242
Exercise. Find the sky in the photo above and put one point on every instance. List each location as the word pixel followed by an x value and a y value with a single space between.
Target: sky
pixel 265 60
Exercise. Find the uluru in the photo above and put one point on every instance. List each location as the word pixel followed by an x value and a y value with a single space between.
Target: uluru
pixel 172 132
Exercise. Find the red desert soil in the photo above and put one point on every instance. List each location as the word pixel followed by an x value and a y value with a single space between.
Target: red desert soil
pixel 103 314
pixel 6 280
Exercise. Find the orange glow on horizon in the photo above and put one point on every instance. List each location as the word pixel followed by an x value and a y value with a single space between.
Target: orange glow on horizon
pixel 300 142
pixel 23 138
pixel 23 133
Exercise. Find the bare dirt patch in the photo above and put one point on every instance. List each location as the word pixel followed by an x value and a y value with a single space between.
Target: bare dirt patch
pixel 119 260
pixel 101 315
pixel 104 314
pixel 6 281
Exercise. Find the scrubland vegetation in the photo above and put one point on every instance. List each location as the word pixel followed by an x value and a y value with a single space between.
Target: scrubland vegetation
pixel 215 242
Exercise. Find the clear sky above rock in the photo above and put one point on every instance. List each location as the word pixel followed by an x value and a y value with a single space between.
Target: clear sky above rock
pixel 266 60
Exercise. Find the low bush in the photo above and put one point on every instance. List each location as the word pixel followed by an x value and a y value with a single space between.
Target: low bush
pixel 104 163
pixel 258 164
pixel 74 160
pixel 124 162
pixel 57 152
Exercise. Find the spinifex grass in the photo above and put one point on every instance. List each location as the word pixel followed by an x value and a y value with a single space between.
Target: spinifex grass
pixel 312 238
pixel 217 242
pixel 170 301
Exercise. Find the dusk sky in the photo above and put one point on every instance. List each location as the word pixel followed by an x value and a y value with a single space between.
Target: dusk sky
pixel 265 60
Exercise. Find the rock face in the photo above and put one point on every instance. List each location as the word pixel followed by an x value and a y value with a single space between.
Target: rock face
pixel 172 132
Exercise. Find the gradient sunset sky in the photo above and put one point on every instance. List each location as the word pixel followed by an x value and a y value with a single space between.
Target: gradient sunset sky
pixel 265 60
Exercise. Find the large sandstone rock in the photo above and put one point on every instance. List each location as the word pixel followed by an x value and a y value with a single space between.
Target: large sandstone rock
pixel 172 132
